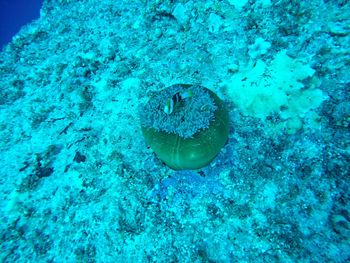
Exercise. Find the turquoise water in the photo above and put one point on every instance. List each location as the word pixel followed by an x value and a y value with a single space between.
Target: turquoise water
pixel 78 182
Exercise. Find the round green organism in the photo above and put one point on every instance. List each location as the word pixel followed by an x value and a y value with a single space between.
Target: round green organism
pixel 185 125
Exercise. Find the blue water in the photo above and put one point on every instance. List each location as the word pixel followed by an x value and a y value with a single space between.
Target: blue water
pixel 14 14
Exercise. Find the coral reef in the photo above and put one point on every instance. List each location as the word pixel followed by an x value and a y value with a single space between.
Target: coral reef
pixel 80 184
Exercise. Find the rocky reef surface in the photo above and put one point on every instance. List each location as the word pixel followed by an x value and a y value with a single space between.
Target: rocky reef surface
pixel 78 182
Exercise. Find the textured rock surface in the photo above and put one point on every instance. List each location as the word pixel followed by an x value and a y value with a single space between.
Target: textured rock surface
pixel 78 183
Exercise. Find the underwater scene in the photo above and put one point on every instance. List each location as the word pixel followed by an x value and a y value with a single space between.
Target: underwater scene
pixel 176 131
pixel 14 14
